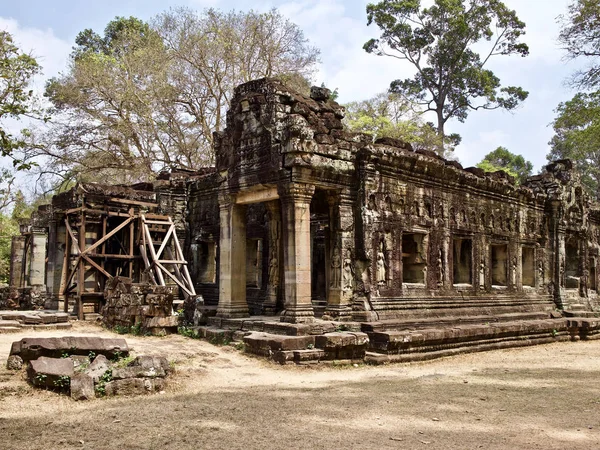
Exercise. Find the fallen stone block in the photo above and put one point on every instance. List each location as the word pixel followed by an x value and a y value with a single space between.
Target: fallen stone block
pixel 80 361
pixel 151 362
pixel 266 344
pixel 82 387
pixel 14 362
pixel 33 348
pixel 343 345
pixel 54 373
pixel 134 386
pixel 138 372
pixel 162 322
pixel 98 367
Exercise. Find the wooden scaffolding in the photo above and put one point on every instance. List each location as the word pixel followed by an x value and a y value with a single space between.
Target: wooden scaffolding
pixel 126 240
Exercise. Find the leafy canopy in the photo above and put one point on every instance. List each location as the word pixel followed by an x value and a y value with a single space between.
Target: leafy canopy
pixel 577 137
pixel 16 72
pixel 389 115
pixel 143 97
pixel 503 159
pixel 439 42
pixel 580 37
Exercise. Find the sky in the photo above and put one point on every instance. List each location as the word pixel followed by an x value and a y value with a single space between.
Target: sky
pixel 339 29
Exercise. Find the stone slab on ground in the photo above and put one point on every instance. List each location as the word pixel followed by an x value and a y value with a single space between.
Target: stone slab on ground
pixel 33 348
pixel 343 345
pixel 134 386
pixel 266 344
pixel 82 387
pixel 98 367
pixel 50 372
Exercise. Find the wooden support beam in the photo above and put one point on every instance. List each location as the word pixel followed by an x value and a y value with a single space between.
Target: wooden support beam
pixel 108 236
pixel 132 202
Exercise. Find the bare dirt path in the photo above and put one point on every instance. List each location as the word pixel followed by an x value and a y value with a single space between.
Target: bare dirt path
pixel 543 397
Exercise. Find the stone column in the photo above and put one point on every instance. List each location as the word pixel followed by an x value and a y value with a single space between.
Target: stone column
pixel 341 261
pixel 232 260
pixel 17 255
pixel 275 258
pixel 37 268
pixel 296 252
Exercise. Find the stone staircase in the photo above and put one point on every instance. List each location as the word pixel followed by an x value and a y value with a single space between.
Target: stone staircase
pixel 395 340
pixel 15 321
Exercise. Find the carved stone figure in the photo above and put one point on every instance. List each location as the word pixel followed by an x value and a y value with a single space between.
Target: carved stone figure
pixel 514 271
pixel 482 274
pixel 348 274
pixel 273 271
pixel 381 266
pixel 336 264
pixel 440 268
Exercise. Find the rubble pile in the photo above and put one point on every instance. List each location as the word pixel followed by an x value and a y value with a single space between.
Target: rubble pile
pixel 141 305
pixel 87 367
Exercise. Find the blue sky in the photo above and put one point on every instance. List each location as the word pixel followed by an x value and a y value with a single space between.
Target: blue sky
pixel 339 29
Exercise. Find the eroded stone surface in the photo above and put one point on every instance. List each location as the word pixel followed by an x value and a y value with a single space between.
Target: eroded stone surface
pixel 82 387
pixel 33 348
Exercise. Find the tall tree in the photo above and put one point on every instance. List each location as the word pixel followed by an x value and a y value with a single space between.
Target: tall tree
pixel 577 137
pixel 390 115
pixel 16 72
pixel 502 159
pixel 439 42
pixel 145 97
pixel 580 37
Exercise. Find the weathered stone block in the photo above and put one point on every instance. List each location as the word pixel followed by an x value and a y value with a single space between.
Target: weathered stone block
pixel 162 322
pixel 14 362
pixel 98 367
pixel 33 348
pixel 50 372
pixel 267 344
pixel 82 387
pixel 134 386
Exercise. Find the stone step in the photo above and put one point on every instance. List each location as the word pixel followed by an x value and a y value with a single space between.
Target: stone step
pixel 477 346
pixel 412 323
pixel 452 337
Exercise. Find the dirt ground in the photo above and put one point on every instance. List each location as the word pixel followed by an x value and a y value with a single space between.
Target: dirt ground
pixel 543 397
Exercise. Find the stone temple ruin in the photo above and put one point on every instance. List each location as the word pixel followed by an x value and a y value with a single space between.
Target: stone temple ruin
pixel 345 243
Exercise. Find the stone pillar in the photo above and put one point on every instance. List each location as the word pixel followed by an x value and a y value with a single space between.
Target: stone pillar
pixel 296 252
pixel 17 255
pixel 341 260
pixel 275 258
pixel 232 260
pixel 37 268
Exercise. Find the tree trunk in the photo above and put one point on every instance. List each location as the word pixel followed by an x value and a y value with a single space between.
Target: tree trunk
pixel 440 131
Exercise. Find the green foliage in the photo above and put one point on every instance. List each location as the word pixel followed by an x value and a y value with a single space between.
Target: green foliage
pixel 143 97
pixel 580 37
pixel 188 332
pixel 63 382
pixel 577 137
pixel 502 159
pixel 16 72
pixel 391 115
pixel 101 385
pixel 439 41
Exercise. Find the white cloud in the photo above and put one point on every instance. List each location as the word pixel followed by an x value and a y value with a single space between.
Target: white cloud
pixel 50 51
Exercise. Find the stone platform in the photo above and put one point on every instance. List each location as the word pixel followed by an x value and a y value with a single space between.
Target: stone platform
pixel 394 340
pixel 15 321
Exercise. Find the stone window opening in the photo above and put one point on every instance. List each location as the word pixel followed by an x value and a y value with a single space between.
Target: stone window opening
pixel 205 258
pixel 528 266
pixel 254 250
pixel 414 258
pixel 462 261
pixel 499 265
